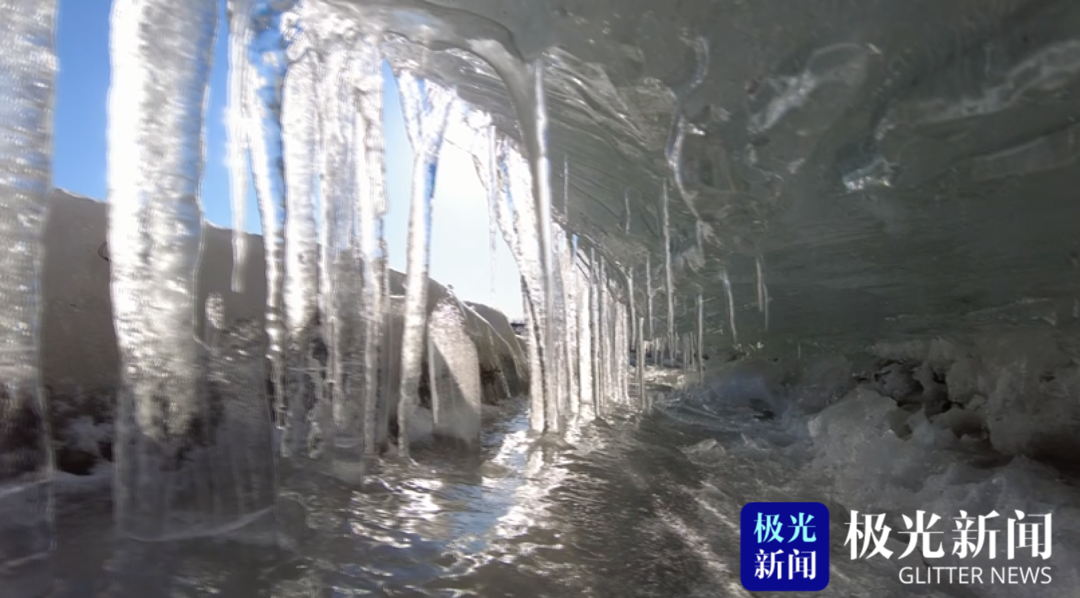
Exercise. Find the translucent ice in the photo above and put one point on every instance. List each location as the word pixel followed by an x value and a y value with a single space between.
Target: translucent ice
pixel 27 83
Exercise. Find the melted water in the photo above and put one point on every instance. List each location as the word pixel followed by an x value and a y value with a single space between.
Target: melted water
pixel 641 506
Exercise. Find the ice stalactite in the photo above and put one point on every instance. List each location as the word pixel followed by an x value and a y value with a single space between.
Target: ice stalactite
pixel 371 205
pixel 622 353
pixel 27 87
pixel 541 171
pixel 630 299
pixel 724 278
pixel 519 229
pixel 596 332
pixel 700 337
pixel 483 149
pixel 586 323
pixel 426 107
pixel 568 303
pixel 339 431
pixel 669 276
pixel 237 118
pixel 526 85
pixel 649 301
pixel 762 289
pixel 265 67
pixel 639 364
pixel 185 425
pixel 300 125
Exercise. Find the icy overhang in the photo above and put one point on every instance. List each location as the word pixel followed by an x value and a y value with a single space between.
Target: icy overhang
pixel 897 167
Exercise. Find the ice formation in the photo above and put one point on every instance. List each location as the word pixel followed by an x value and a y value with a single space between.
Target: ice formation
pixel 764 158
pixel 27 82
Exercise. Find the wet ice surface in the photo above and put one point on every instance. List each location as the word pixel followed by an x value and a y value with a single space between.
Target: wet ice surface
pixel 644 506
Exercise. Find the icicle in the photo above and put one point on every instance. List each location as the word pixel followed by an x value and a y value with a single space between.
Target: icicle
pixel 762 290
pixel 596 298
pixel 626 212
pixel 299 116
pixel 28 67
pixel 669 284
pixel 371 200
pixel 538 159
pixel 238 129
pixel 184 419
pixel 426 107
pixel 339 280
pixel 701 337
pixel 263 86
pixel 606 338
pixel 629 272
pixel 568 283
pixel 483 150
pixel 639 362
pixel 586 323
pixel 526 86
pixel 649 299
pixel 557 359
pixel 537 414
pixel 623 355
pixel 731 306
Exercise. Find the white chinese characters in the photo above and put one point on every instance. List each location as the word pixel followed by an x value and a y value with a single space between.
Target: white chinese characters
pixel 801 564
pixel 971 537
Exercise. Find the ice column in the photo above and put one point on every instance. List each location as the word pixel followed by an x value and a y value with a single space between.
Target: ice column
pixel 762 289
pixel 700 337
pixel 639 363
pixel 300 123
pixel 371 198
pixel 669 284
pixel 339 279
pixel 263 45
pixel 27 83
pixel 586 321
pixel 426 107
pixel 237 129
pixel 181 469
pixel 724 278
pixel 649 302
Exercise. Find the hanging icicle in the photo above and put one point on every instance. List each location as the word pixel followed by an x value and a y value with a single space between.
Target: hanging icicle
pixel 28 66
pixel 426 107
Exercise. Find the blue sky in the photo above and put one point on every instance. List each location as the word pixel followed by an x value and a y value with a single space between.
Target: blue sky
pixel 460 255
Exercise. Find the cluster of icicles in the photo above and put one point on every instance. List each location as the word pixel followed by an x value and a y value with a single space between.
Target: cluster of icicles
pixel 305 119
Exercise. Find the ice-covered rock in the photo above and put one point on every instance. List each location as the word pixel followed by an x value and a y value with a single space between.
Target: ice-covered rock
pixel 454 373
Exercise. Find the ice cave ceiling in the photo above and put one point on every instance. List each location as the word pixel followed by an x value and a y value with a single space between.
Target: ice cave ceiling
pixel 898 166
